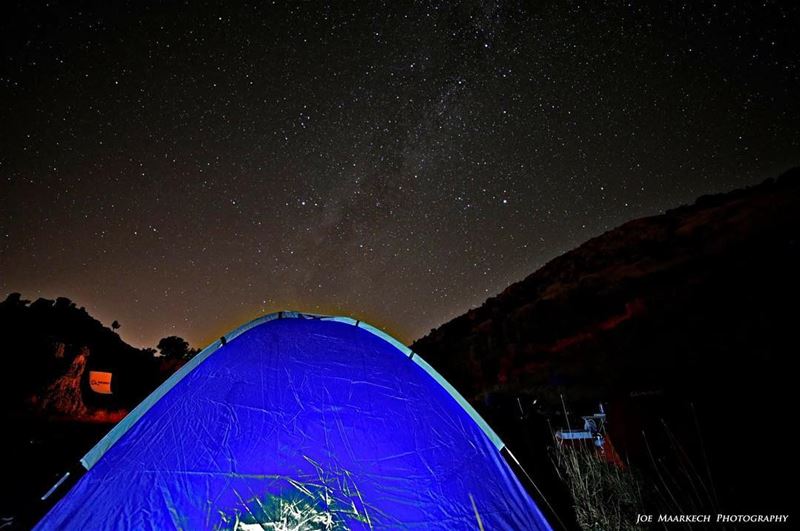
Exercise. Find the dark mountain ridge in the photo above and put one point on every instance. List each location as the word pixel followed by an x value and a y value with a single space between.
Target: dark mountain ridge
pixel 686 319
pixel 617 278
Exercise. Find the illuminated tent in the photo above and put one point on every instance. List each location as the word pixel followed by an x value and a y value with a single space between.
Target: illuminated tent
pixel 296 421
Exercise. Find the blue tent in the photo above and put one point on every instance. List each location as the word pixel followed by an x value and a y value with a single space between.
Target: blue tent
pixel 295 421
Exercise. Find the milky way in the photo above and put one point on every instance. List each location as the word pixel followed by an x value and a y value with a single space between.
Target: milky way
pixel 185 167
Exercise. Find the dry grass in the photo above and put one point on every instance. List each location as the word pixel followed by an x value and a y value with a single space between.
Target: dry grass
pixel 607 496
pixel 604 495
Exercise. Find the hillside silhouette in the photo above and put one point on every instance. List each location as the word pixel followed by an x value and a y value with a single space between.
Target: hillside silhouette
pixel 50 415
pixel 684 325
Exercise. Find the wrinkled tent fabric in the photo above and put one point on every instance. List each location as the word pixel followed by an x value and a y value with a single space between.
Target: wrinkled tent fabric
pixel 294 421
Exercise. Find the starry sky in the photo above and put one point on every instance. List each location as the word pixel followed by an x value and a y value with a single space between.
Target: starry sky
pixel 183 167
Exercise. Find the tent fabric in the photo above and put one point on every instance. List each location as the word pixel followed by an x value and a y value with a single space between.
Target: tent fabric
pixel 300 422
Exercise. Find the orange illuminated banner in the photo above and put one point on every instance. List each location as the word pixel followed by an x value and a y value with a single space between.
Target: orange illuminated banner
pixel 100 382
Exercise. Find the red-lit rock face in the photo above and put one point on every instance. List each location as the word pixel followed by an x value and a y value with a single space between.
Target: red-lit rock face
pixel 64 397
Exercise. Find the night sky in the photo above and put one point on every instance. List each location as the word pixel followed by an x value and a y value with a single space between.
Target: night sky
pixel 185 167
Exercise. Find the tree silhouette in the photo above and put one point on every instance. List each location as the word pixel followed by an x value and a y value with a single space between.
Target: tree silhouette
pixel 174 347
pixel 115 325
pixel 15 302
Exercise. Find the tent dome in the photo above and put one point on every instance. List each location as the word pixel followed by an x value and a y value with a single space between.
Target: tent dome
pixel 296 421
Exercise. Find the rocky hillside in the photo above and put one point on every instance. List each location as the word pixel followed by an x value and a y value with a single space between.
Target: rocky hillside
pixel 690 316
